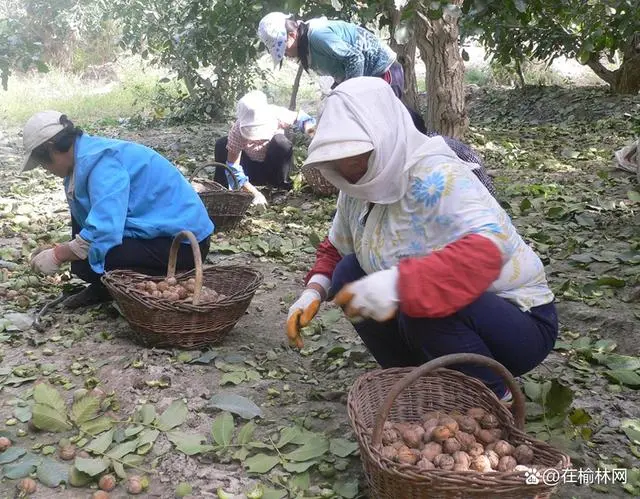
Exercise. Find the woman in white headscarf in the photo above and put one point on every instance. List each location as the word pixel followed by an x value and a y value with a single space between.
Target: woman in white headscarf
pixel 419 250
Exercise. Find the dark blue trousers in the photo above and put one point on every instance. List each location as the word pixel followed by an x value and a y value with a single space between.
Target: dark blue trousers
pixel 490 326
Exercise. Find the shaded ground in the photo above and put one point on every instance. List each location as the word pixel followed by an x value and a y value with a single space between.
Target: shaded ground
pixel 551 151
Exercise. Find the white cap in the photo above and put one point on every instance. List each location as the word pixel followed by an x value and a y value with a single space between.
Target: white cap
pixel 255 117
pixel 273 33
pixel 41 127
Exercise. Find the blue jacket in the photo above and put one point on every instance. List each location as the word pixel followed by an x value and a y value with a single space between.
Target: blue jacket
pixel 122 189
pixel 343 50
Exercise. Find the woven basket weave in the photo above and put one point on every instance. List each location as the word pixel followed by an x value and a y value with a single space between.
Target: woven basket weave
pixel 319 185
pixel 404 395
pixel 163 323
pixel 225 207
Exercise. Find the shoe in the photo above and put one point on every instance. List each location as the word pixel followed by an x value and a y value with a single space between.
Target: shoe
pixel 93 294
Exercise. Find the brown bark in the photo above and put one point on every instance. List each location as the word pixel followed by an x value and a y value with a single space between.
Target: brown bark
pixel 439 48
pixel 625 79
pixel 407 57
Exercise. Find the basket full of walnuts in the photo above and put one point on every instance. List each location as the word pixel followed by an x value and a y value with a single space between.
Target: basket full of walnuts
pixel 432 432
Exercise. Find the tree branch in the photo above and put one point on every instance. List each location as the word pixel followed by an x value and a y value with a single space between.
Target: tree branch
pixel 602 72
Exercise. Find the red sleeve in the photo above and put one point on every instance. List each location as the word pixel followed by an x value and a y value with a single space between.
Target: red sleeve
pixel 445 281
pixel 327 257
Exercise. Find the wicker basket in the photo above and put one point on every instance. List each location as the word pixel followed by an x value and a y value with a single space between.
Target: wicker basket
pixel 163 323
pixel 225 207
pixel 319 185
pixel 405 394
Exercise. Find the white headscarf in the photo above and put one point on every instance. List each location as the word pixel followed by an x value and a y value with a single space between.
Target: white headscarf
pixel 363 114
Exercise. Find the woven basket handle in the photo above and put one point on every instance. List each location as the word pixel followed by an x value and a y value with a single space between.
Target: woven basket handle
pixel 197 260
pixel 216 165
pixel 444 361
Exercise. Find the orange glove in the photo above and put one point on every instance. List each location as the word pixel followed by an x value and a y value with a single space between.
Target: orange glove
pixel 301 313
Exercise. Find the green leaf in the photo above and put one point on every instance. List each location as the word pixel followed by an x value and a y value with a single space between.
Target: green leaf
pixel 347 489
pixel 146 440
pixel 101 443
pixel 288 435
pixel 91 466
pixel 23 414
pixel 45 394
pixel 206 357
pixel 222 429
pixel 97 425
pixel 48 418
pixel 313 448
pixel 558 399
pixel 579 417
pixel 118 469
pixel 85 409
pixel 246 433
pixel 613 282
pixel 631 428
pixel 625 377
pixel 616 361
pixel 295 467
pixel 174 416
pixel 261 463
pixel 22 467
pixel 233 378
pixel 122 449
pixel 634 196
pixel 78 479
pixel 236 404
pixel 132 431
pixel 131 460
pixel 146 414
pixel 342 447
pixel 11 454
pixel 269 493
pixel 187 443
pixel 301 481
pixel 52 473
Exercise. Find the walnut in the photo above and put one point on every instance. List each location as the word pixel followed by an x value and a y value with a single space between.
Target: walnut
pixel 489 422
pixel 476 413
pixel 441 433
pixel 461 457
pixel 451 445
pixel 523 454
pixel 466 440
pixel 481 464
pixel 444 462
pixel 507 463
pixel 494 459
pixel 425 464
pixel 503 448
pixel 431 450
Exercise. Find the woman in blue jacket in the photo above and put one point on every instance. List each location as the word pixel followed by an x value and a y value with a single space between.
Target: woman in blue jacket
pixel 127 202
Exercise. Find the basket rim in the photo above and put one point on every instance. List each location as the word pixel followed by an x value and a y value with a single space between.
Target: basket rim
pixel 115 279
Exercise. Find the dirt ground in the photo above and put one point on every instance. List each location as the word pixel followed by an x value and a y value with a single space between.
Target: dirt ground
pixel 558 160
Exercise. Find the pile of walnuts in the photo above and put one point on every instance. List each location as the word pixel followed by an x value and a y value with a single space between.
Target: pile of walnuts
pixel 172 290
pixel 456 442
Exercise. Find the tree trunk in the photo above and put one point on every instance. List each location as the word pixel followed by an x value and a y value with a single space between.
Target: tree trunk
pixel 625 79
pixel 438 42
pixel 628 77
pixel 407 57
pixel 294 90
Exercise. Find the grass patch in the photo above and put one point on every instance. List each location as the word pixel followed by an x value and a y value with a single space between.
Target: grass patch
pixel 85 101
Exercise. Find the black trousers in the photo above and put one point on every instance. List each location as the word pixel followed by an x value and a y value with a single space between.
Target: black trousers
pixel 273 171
pixel 147 256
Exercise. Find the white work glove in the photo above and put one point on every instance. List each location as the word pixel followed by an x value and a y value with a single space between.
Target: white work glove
pixel 372 297
pixel 259 200
pixel 45 262
pixel 305 308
